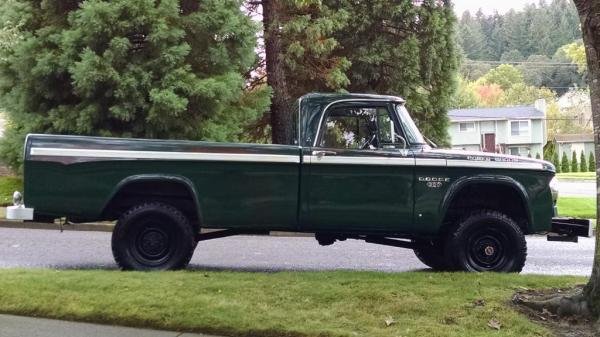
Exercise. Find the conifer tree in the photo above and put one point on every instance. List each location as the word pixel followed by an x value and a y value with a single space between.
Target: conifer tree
pixel 574 164
pixel 127 68
pixel 591 162
pixel 556 162
pixel 565 165
pixel 403 48
pixel 582 162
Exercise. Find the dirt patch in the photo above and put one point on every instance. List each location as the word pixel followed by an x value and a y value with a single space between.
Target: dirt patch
pixel 562 326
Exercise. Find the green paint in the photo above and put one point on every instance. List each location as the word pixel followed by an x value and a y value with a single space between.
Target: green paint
pixel 298 196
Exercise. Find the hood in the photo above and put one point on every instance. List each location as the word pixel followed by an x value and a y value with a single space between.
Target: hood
pixel 488 159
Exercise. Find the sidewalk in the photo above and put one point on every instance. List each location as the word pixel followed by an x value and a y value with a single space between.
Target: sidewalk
pixel 18 326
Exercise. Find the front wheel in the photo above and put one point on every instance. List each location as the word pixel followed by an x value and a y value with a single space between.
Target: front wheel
pixel 153 236
pixel 487 241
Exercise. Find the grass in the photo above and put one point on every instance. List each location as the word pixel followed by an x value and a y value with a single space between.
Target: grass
pixel 576 176
pixel 577 207
pixel 7 186
pixel 290 304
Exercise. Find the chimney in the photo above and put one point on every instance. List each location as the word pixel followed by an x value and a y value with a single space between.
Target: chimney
pixel 540 104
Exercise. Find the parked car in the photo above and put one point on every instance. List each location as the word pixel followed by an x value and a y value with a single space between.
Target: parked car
pixel 360 169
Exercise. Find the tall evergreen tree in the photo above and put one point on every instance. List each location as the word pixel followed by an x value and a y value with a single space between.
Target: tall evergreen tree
pixel 128 68
pixel 397 47
pixel 591 162
pixel 565 165
pixel 574 164
pixel 556 162
pixel 300 56
pixel 583 162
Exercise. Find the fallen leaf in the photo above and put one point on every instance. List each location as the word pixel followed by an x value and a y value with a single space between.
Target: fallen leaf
pixel 479 303
pixel 389 321
pixel 494 324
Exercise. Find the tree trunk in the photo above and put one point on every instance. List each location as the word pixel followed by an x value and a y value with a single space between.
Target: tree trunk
pixel 282 123
pixel 589 15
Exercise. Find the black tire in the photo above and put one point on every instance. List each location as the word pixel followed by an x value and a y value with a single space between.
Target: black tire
pixel 487 241
pixel 432 255
pixel 153 236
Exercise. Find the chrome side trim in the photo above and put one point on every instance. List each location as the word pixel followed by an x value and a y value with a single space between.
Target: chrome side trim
pixel 340 160
pixel 430 162
pixel 160 155
pixel 495 164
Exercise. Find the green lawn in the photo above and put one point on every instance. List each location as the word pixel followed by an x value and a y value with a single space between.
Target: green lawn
pixel 576 176
pixel 291 304
pixel 7 186
pixel 577 207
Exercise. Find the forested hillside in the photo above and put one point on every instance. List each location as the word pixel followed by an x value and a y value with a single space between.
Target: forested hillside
pixel 537 30
pixel 535 40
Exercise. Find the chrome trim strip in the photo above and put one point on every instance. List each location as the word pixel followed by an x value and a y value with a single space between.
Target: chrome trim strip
pixel 495 164
pixel 391 161
pixel 430 161
pixel 344 101
pixel 160 155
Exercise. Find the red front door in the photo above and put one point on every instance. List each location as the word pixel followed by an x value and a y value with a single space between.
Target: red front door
pixel 489 142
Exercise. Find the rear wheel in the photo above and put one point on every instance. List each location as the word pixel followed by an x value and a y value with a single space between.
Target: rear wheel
pixel 153 236
pixel 487 241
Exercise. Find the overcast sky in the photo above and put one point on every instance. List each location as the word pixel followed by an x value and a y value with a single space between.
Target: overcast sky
pixel 488 6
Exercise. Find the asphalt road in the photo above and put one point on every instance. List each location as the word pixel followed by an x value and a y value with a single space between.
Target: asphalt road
pixel 576 188
pixel 26 248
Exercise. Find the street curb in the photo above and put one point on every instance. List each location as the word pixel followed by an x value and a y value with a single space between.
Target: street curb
pixel 84 227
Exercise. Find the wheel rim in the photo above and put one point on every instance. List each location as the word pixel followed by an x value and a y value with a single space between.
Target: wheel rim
pixel 153 242
pixel 488 249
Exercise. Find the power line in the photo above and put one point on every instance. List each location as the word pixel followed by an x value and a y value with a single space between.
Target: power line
pixel 523 62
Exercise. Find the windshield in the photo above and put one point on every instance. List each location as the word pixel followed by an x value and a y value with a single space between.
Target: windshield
pixel 411 130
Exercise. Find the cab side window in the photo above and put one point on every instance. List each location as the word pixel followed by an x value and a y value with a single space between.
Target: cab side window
pixel 358 128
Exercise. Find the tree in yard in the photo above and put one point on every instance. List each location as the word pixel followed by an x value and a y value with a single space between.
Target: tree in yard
pixel 589 14
pixel 583 162
pixel 537 156
pixel 565 165
pixel 140 68
pixel 588 301
pixel 300 56
pixel 574 163
pixel 556 162
pixel 591 163
pixel 403 48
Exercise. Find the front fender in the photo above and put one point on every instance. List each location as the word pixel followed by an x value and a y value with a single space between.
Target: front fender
pixel 462 182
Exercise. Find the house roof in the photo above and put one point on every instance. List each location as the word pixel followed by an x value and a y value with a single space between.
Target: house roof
pixel 574 138
pixel 504 113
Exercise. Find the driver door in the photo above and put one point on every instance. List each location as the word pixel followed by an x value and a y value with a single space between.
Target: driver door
pixel 360 175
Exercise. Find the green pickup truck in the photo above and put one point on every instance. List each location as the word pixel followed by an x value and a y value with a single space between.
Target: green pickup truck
pixel 360 169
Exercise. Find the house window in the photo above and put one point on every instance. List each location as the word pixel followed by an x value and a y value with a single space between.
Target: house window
pixel 520 151
pixel 466 127
pixel 519 128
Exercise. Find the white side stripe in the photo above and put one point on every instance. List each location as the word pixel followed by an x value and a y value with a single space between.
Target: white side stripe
pixel 167 155
pixel 430 162
pixel 391 161
pixel 495 164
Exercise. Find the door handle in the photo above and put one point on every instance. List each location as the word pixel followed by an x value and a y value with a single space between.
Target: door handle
pixel 320 154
